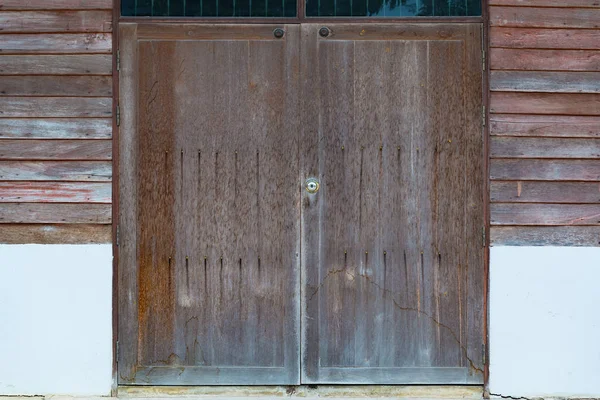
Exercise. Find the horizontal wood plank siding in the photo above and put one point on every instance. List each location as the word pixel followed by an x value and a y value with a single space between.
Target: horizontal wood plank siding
pixel 545 122
pixel 56 121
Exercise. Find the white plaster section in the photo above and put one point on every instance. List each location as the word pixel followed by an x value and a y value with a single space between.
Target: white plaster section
pixel 545 321
pixel 55 319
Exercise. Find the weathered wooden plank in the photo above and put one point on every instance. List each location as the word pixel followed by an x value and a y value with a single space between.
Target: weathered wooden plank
pixel 557 82
pixel 545 38
pixel 128 141
pixel 547 3
pixel 520 147
pixel 55 21
pixel 55 234
pixel 45 213
pixel 52 43
pixel 545 236
pixel 545 103
pixel 100 171
pixel 55 149
pixel 544 125
pixel 545 170
pixel 79 86
pixel 540 192
pixel 544 60
pixel 55 192
pixel 56 128
pixel 544 214
pixel 55 4
pixel 40 107
pixel 74 64
pixel 534 17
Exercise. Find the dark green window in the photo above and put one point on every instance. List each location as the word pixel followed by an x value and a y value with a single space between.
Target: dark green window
pixel 393 8
pixel 208 8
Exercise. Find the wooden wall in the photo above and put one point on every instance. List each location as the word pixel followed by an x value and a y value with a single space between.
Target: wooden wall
pixel 545 122
pixel 55 121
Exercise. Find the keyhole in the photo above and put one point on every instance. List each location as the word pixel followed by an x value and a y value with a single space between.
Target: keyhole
pixel 312 185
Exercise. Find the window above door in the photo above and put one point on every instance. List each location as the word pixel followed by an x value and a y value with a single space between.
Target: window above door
pixel 313 8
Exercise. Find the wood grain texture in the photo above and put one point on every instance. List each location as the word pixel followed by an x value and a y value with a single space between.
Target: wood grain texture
pixel 56 150
pixel 53 43
pixel 391 209
pixel 80 86
pixel 544 192
pixel 63 64
pixel 55 192
pixel 545 103
pixel 553 82
pixel 55 21
pixel 56 128
pixel 545 236
pixel 547 3
pixel 40 107
pixel 544 214
pixel 43 213
pixel 544 126
pixel 55 4
pixel 90 171
pixel 55 234
pixel 545 170
pixel 220 190
pixel 532 17
pixel 544 60
pixel 512 147
pixel 545 38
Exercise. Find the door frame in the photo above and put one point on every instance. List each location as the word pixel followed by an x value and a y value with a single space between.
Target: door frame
pixel 300 18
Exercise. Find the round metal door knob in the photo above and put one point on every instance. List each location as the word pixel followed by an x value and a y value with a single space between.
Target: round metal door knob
pixel 324 31
pixel 278 33
pixel 312 185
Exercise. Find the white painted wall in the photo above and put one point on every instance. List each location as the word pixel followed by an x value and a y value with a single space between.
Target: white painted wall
pixel 545 321
pixel 55 319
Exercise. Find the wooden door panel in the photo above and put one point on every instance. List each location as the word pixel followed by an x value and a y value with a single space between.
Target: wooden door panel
pixel 392 255
pixel 209 269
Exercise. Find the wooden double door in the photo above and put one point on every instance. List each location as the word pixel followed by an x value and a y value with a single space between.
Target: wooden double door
pixel 300 203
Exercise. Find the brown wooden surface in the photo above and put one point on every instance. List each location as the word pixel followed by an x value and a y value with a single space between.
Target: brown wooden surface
pixel 41 107
pixel 56 150
pixel 81 86
pixel 545 214
pixel 544 147
pixel 56 43
pixel 547 3
pixel 56 83
pixel 55 234
pixel 546 170
pixel 532 17
pixel 389 299
pixel 56 21
pixel 545 103
pixel 76 64
pixel 544 126
pixel 209 148
pixel 544 60
pixel 544 192
pixel 55 192
pixel 544 120
pixel 41 213
pixel 537 81
pixel 100 171
pixel 545 236
pixel 55 4
pixel 56 128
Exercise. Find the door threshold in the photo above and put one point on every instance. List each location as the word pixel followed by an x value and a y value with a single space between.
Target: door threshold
pixel 306 392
